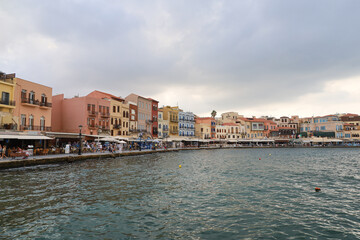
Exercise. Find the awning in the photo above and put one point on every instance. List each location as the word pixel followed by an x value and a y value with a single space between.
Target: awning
pixel 25 137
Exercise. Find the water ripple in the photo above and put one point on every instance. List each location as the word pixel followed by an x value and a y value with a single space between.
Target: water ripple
pixel 217 194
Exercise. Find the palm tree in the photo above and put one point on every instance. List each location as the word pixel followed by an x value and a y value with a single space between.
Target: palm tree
pixel 213 113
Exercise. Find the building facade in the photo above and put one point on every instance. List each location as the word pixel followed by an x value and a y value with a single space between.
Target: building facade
pixel 144 117
pixel 163 125
pixel 171 114
pixel 7 102
pixel 119 113
pixel 154 118
pixel 322 126
pixel 205 127
pixel 133 117
pixel 92 113
pixel 33 106
pixel 186 124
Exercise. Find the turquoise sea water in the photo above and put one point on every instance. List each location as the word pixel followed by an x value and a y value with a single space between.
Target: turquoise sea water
pixel 217 194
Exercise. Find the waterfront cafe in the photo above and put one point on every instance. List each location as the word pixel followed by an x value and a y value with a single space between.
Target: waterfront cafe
pixel 322 141
pixel 32 142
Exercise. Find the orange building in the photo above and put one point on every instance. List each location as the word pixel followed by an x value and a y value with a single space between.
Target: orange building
pixel 205 127
pixel 33 106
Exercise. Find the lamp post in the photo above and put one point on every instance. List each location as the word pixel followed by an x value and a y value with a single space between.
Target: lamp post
pixel 80 126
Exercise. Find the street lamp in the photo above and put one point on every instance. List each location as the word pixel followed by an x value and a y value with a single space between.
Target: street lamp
pixel 80 126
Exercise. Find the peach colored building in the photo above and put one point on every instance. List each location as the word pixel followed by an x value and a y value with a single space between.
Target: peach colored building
pixel 119 113
pixel 91 112
pixel 33 106
pixel 205 127
pixel 133 117
pixel 144 111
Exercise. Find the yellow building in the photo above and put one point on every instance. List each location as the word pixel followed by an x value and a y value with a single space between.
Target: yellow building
pixel 7 103
pixel 171 114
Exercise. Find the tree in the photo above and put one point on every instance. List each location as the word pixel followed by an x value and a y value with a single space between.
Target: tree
pixel 213 113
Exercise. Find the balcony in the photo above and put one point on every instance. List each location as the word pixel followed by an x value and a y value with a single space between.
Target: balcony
pixel 45 105
pixel 92 113
pixel 9 126
pixel 104 128
pixel 93 126
pixel 149 121
pixel 116 126
pixel 174 132
pixel 8 103
pixel 34 128
pixel 174 120
pixel 7 78
pixel 104 115
pixel 30 102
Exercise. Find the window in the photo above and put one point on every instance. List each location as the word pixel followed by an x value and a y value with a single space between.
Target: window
pixel 23 94
pixel 23 120
pixel 43 98
pixel 31 97
pixel 31 122
pixel 42 124
pixel 118 108
pixel 5 98
pixel 114 108
pixel 323 128
pixel 89 107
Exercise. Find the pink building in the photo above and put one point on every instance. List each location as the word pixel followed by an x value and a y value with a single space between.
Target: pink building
pixel 33 106
pixel 91 112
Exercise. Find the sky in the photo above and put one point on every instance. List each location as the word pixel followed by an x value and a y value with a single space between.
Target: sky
pixel 254 57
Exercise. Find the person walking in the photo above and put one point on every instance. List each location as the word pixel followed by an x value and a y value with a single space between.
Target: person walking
pixel 3 154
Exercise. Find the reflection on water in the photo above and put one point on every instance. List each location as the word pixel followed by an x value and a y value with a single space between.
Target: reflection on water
pixel 217 194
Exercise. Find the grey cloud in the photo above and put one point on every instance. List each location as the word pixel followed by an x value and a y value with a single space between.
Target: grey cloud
pixel 249 51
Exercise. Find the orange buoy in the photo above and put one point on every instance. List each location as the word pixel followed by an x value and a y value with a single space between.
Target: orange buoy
pixel 259 158
pixel 317 189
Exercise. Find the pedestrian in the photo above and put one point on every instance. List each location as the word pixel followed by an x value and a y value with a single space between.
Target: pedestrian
pixel 3 154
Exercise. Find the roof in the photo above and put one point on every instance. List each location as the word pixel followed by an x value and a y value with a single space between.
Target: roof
pixel 109 95
pixel 153 100
pixel 230 124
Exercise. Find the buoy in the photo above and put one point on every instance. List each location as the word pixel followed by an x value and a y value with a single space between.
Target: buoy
pixel 179 166
pixel 269 154
pixel 259 158
pixel 317 189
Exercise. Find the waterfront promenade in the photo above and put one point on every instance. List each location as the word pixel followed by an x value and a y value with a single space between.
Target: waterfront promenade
pixel 17 162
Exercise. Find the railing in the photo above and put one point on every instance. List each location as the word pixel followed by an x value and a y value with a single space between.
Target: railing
pixel 9 126
pixel 104 114
pixel 93 126
pixel 92 113
pixel 117 126
pixel 30 101
pixel 9 103
pixel 106 128
pixel 45 104
pixel 35 128
pixel 7 80
pixel 174 120
pixel 148 121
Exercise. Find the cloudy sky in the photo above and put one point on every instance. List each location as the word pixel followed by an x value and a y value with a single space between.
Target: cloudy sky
pixel 255 57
